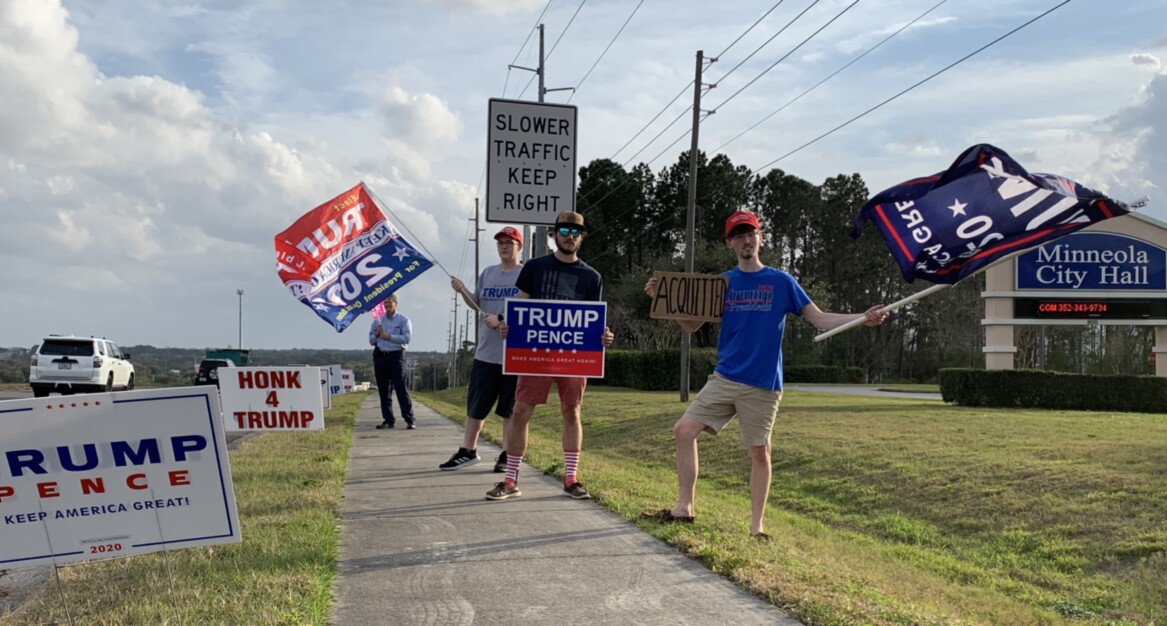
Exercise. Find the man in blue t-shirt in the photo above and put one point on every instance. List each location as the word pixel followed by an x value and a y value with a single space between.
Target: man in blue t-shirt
pixel 747 382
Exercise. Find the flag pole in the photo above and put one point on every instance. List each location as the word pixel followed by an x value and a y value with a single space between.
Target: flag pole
pixel 887 309
pixel 921 294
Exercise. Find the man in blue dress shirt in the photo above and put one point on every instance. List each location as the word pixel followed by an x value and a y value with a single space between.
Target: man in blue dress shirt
pixel 390 337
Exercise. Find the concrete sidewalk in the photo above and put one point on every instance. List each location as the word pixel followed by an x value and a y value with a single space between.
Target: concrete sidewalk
pixel 423 546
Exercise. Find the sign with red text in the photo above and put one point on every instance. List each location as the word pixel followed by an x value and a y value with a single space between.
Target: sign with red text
pixel 554 338
pixel 347 380
pixel 112 475
pixel 271 398
pixel 530 161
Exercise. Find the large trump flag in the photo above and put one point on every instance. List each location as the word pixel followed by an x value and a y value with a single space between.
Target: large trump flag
pixel 950 225
pixel 344 257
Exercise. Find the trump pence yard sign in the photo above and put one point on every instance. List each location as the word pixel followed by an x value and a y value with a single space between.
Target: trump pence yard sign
pixel 112 475
pixel 554 338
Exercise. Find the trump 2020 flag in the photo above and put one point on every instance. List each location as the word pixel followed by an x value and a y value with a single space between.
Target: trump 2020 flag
pixel 345 256
pixel 950 225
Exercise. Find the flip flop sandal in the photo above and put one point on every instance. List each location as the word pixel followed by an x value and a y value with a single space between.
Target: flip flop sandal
pixel 666 516
pixel 763 537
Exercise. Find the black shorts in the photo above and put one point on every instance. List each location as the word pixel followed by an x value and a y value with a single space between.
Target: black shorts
pixel 487 385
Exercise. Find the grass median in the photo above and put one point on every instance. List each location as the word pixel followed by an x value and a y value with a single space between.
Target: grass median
pixel 287 488
pixel 900 511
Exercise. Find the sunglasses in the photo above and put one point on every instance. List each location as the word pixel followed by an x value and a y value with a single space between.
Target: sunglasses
pixel 568 232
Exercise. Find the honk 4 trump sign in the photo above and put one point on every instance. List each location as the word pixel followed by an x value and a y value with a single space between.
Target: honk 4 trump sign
pixel 113 474
pixel 554 338
pixel 271 398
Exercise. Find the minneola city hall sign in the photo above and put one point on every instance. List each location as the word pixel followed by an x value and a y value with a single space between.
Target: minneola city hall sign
pixel 1112 273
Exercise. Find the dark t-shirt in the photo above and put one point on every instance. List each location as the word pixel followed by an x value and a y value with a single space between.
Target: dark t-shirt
pixel 548 278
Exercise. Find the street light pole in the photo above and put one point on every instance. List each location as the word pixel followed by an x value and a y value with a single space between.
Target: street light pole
pixel 240 292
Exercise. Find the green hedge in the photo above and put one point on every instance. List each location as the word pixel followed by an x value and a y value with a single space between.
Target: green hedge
pixel 1054 390
pixel 659 370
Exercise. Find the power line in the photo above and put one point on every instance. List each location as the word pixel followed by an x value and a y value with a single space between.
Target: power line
pixel 765 43
pixel 787 55
pixel 554 45
pixel 747 31
pixel 934 75
pixel 753 172
pixel 654 118
pixel 832 75
pixel 685 89
pixel 530 33
pixel 589 72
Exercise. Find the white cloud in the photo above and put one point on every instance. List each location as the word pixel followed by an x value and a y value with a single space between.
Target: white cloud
pixel 1147 60
pixel 492 7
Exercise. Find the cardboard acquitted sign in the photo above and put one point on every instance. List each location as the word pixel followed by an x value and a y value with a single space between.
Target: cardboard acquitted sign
pixel 693 297
pixel 554 338
pixel 113 475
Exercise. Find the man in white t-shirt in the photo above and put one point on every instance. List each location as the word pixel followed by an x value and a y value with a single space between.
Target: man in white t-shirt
pixel 488 385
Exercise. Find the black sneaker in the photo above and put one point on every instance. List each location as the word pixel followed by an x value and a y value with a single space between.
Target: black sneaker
pixel 384 425
pixel 410 426
pixel 502 491
pixel 577 491
pixel 500 466
pixel 461 458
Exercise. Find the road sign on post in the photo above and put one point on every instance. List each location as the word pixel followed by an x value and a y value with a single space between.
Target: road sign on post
pixel 530 171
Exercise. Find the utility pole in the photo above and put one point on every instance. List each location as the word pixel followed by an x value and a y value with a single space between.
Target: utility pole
pixel 477 272
pixel 538 245
pixel 240 293
pixel 691 212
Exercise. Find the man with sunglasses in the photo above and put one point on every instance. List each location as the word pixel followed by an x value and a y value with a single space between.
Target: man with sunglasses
pixel 747 382
pixel 488 385
pixel 560 275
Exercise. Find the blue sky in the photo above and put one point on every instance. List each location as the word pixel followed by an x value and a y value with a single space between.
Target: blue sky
pixel 149 150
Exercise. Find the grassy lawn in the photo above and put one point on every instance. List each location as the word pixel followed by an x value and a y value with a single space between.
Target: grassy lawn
pixel 892 511
pixel 287 488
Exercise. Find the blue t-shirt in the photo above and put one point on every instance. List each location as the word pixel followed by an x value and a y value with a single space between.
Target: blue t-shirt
pixel 749 348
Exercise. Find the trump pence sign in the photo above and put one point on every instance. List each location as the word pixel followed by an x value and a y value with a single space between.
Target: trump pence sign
pixel 554 338
pixel 113 475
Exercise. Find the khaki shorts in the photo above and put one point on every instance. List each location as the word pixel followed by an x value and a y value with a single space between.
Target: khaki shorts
pixel 720 400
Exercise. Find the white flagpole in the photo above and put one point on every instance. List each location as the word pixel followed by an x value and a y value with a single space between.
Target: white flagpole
pixel 887 309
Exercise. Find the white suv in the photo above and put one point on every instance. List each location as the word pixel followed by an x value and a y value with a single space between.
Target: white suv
pixel 79 364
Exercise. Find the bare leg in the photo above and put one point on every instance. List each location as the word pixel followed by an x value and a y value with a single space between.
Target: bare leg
pixel 685 431
pixel 760 472
pixel 572 427
pixel 473 429
pixel 517 435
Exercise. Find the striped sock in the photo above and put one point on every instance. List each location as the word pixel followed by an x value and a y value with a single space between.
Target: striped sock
pixel 571 466
pixel 512 475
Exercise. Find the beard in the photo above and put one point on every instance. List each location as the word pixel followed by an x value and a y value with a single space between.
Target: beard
pixel 565 249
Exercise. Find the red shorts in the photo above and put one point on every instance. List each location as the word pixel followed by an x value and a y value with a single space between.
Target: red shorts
pixel 533 390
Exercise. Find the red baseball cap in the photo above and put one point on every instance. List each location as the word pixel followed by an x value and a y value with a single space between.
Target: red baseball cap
pixel 740 218
pixel 512 232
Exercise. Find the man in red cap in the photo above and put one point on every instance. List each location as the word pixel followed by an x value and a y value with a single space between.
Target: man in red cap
pixel 747 382
pixel 488 385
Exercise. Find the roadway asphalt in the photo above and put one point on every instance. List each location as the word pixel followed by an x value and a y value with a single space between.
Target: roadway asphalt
pixel 423 546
